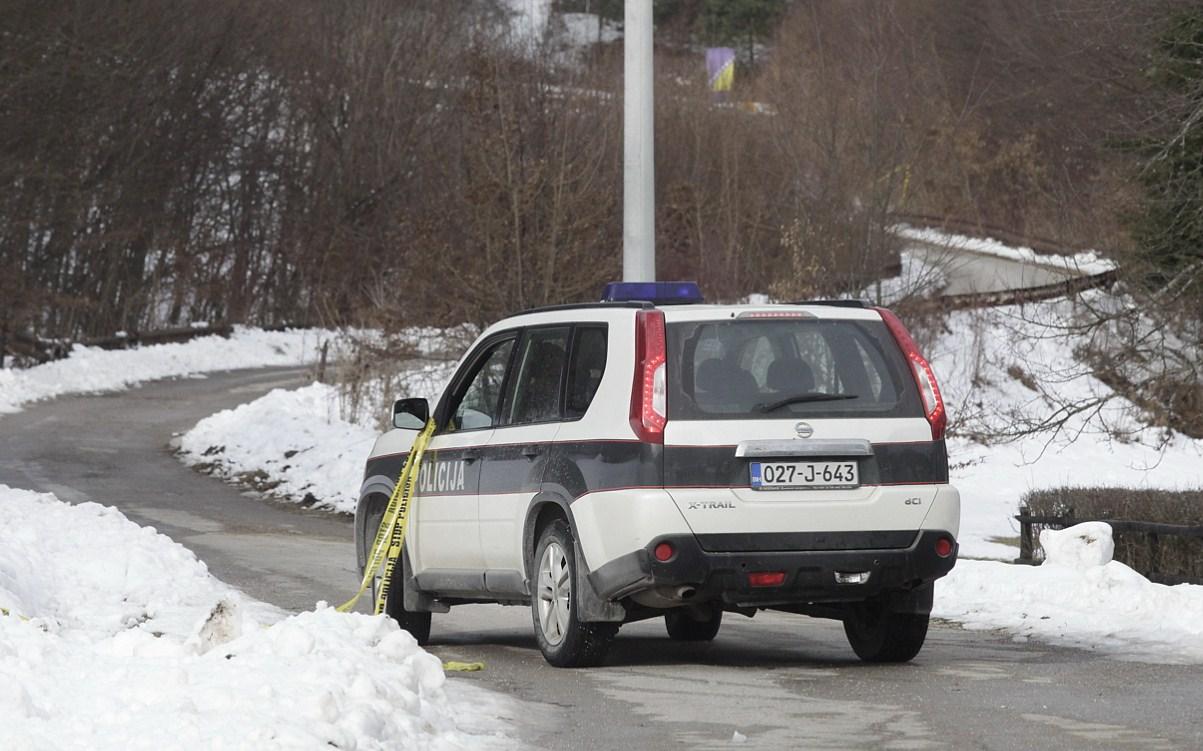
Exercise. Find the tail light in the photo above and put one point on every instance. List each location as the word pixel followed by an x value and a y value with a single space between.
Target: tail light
pixel 766 578
pixel 649 396
pixel 944 547
pixel 925 378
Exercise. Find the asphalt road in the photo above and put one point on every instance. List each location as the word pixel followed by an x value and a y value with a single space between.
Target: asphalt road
pixel 781 681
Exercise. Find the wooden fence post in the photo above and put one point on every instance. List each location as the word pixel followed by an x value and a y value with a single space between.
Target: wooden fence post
pixel 1025 536
pixel 321 366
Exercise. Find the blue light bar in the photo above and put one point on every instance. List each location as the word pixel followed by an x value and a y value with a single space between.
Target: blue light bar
pixel 657 293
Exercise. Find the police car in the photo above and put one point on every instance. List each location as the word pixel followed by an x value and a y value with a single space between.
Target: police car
pixel 652 456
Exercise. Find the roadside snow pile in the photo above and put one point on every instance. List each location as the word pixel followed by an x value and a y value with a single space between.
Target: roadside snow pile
pixel 1005 366
pixel 1079 597
pixel 297 445
pixel 293 442
pixel 90 370
pixel 118 638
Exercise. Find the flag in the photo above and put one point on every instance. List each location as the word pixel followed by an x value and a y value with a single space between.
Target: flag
pixel 720 65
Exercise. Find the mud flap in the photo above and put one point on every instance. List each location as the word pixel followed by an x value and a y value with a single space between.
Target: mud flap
pixel 918 600
pixel 590 607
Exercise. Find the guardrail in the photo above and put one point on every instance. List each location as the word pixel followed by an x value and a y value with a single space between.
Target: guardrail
pixel 1146 541
pixel 1017 296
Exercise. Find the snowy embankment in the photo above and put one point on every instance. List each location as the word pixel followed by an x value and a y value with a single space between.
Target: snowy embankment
pixel 293 443
pixel 1000 368
pixel 114 637
pixel 90 370
pixel 1004 367
pixel 1079 597
pixel 296 444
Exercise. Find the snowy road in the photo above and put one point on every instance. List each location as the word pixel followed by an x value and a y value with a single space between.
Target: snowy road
pixel 780 681
pixel 112 449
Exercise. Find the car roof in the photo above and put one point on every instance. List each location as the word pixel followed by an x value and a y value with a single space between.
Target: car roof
pixel 822 311
pixel 601 311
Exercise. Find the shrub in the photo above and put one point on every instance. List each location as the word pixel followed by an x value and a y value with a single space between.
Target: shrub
pixel 1168 558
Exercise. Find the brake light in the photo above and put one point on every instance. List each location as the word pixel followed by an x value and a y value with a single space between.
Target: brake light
pixel 649 395
pixel 925 377
pixel 774 314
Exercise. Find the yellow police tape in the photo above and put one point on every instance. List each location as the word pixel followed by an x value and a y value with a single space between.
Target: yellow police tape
pixel 5 611
pixel 386 547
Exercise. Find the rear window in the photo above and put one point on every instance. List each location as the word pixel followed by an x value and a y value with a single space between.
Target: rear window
pixel 753 369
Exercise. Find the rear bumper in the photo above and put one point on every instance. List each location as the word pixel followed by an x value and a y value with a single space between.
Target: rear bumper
pixel 810 561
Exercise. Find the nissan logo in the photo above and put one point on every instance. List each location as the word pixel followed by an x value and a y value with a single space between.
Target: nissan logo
pixel 804 430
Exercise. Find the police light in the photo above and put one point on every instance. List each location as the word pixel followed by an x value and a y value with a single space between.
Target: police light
pixel 657 293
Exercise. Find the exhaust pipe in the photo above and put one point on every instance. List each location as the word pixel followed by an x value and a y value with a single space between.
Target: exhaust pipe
pixel 686 592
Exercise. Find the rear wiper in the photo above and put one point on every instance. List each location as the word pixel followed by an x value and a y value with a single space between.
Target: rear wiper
pixel 813 396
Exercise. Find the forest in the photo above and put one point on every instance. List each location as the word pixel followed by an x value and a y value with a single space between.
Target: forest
pixel 388 163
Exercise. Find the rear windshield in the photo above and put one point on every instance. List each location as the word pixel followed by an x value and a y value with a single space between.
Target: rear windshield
pixel 769 369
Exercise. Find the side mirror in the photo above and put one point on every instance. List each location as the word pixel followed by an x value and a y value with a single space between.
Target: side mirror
pixel 410 414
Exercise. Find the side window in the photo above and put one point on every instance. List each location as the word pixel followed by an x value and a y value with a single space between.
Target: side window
pixel 478 406
pixel 536 389
pixel 586 369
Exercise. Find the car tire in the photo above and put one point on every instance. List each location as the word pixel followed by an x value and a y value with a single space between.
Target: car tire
pixel 564 640
pixel 683 625
pixel 417 624
pixel 878 634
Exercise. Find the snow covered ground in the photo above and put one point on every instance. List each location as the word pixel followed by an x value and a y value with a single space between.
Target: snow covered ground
pixel 987 362
pixel 90 370
pixel 114 637
pixel 1000 367
pixel 1079 597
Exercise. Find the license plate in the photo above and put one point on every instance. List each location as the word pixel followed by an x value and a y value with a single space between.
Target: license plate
pixel 790 475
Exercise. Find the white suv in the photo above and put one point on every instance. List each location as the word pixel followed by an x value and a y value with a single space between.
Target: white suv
pixel 611 462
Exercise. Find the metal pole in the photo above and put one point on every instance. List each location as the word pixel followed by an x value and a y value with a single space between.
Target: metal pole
pixel 639 173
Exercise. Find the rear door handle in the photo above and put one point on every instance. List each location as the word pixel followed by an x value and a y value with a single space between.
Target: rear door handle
pixel 471 455
pixel 530 452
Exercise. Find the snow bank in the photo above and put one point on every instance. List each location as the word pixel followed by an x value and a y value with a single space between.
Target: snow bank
pixel 93 370
pixel 1079 597
pixel 297 444
pixel 295 438
pixel 118 638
